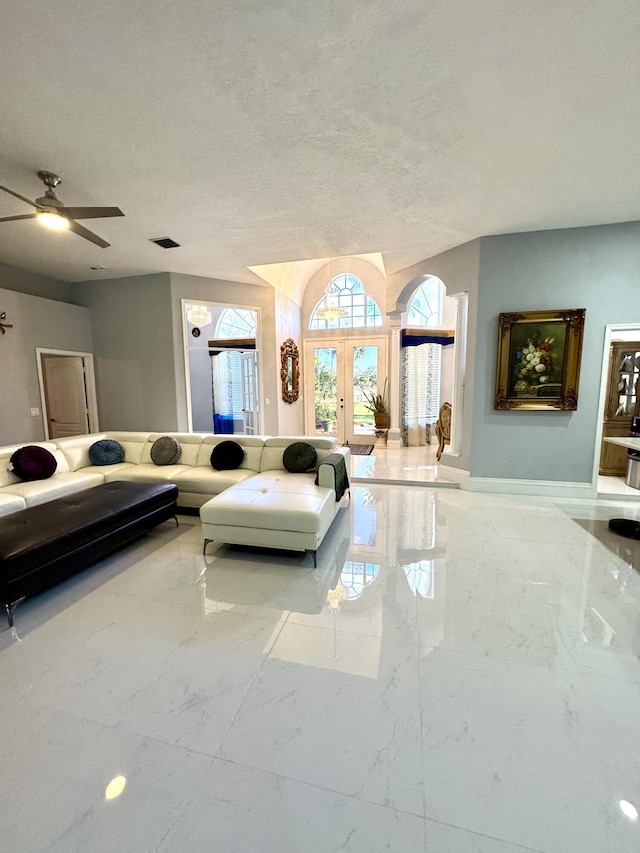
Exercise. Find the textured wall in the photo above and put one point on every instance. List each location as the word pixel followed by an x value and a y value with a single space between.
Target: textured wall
pixel 23 281
pixel 133 349
pixel 36 322
pixel 290 415
pixel 594 268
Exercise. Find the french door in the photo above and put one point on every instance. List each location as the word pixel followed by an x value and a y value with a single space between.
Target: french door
pixel 249 392
pixel 339 375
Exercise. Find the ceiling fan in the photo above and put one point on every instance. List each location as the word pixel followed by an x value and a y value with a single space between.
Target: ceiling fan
pixel 52 212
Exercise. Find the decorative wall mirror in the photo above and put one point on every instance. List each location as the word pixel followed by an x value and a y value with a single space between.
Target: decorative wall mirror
pixel 290 371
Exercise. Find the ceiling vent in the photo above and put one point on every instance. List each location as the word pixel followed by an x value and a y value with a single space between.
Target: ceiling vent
pixel 165 242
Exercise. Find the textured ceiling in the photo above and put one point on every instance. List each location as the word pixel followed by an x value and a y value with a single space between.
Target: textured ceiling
pixel 267 132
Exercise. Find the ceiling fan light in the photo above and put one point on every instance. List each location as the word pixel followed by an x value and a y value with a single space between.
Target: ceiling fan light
pixel 52 220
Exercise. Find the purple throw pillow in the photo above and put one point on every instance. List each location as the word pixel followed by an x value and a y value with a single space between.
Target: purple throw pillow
pixel 33 463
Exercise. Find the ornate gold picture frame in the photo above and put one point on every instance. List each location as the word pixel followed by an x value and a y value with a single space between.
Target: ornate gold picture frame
pixel 290 371
pixel 538 363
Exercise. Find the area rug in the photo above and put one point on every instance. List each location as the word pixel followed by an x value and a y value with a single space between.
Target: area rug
pixel 360 449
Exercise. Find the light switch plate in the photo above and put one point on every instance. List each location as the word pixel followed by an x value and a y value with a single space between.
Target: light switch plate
pixel 35 413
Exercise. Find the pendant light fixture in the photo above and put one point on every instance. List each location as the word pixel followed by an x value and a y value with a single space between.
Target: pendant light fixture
pixel 199 315
pixel 331 310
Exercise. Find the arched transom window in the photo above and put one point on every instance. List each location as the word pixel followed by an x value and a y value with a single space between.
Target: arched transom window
pixel 236 323
pixel 360 310
pixel 425 308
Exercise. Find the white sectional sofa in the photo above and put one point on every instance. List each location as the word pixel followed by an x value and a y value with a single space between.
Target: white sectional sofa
pixel 266 500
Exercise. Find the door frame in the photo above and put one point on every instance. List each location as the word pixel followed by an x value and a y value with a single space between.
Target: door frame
pixel 341 343
pixel 185 355
pixel 609 330
pixel 90 386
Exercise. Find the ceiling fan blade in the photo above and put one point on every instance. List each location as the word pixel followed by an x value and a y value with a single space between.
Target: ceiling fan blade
pixel 15 218
pixel 17 195
pixel 90 212
pixel 81 231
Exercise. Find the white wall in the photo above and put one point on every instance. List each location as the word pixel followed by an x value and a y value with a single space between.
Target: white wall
pixel 288 325
pixel 37 322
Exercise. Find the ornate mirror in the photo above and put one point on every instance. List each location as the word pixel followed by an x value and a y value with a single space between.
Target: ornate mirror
pixel 290 371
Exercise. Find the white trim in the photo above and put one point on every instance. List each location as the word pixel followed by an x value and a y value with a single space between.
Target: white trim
pixel 90 386
pixel 543 488
pixel 460 355
pixel 456 475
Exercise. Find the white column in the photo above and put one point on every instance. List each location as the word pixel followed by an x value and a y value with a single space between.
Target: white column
pixel 457 402
pixel 394 436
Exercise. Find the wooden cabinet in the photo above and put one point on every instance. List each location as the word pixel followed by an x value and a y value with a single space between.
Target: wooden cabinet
pixel 623 402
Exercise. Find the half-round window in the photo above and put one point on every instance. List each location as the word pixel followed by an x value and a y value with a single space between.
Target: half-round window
pixel 425 308
pixel 236 323
pixel 359 309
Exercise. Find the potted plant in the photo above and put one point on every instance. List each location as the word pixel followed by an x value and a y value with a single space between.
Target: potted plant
pixel 377 403
pixel 325 415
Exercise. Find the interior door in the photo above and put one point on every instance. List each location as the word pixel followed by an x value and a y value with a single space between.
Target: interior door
pixel 344 373
pixel 249 395
pixel 65 395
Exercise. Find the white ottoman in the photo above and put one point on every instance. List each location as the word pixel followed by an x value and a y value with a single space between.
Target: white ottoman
pixel 275 509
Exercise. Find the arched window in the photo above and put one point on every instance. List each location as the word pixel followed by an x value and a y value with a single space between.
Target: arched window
pixel 236 323
pixel 360 310
pixel 421 365
pixel 356 576
pixel 425 308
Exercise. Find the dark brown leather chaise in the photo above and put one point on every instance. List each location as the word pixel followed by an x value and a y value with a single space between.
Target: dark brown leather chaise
pixel 42 545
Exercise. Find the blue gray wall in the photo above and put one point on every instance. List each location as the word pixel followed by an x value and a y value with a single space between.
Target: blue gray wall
pixel 41 323
pixel 594 268
pixel 133 351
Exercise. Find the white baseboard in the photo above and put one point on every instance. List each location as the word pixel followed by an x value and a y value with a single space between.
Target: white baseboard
pixel 542 488
pixel 454 475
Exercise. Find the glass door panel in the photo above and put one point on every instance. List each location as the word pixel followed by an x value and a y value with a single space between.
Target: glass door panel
pixel 325 390
pixel 364 371
pixel 344 372
pixel 249 389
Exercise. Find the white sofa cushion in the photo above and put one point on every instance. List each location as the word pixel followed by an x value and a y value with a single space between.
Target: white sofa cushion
pixel 296 511
pixel 151 473
pixel 281 482
pixel 134 444
pixel 8 478
pixel 40 491
pixel 76 449
pixel 11 503
pixel 207 481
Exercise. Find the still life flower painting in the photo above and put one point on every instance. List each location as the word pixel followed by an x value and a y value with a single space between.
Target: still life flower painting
pixel 539 359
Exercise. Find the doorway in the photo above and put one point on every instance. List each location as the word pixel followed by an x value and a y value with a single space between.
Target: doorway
pixel 619 386
pixel 234 392
pixel 67 392
pixel 345 373
pixel 222 368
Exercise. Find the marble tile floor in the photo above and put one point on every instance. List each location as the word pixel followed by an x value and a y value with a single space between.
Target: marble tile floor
pixel 616 487
pixel 391 465
pixel 459 675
